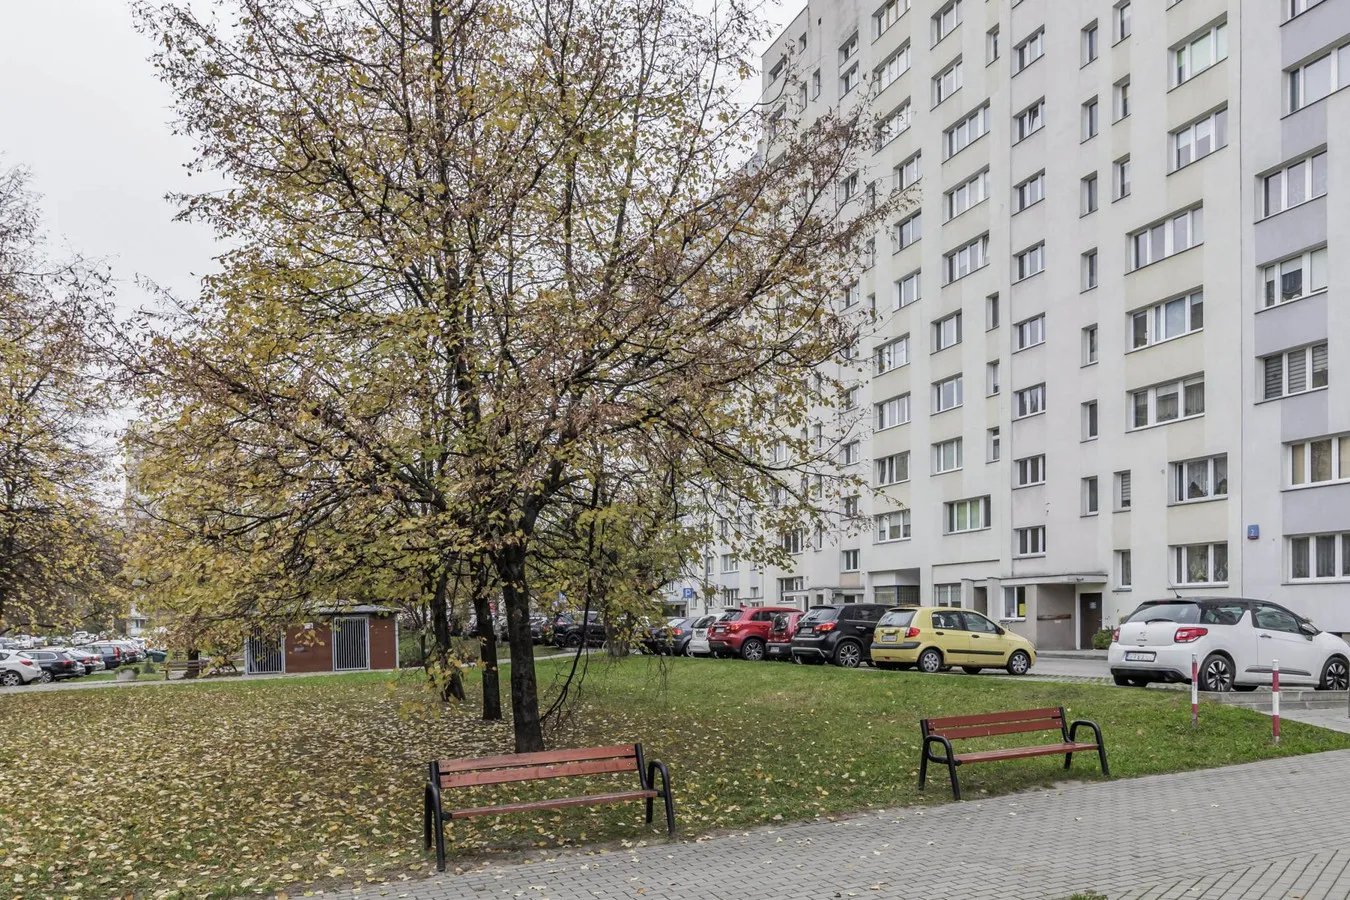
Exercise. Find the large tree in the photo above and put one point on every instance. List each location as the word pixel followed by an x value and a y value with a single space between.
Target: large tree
pixel 498 266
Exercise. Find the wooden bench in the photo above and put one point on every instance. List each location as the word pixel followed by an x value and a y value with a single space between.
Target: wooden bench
pixel 519 767
pixel 201 668
pixel 941 732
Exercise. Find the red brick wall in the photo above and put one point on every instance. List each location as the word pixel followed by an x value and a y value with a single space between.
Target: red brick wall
pixel 383 643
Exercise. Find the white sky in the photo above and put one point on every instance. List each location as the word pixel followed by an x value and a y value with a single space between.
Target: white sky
pixel 82 108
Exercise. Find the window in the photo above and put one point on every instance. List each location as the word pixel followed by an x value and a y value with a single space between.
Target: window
pixel 1167 320
pixel 966 194
pixel 1030 470
pixel 851 506
pixel 1089 266
pixel 851 296
pixel 1122 99
pixel 993 447
pixel 777 69
pixel 893 469
pixel 1090 120
pixel 850 453
pixel 1029 333
pixel 891 355
pixel 1121 19
pixel 947 82
pixel 1320 461
pixel 848 561
pixel 1089 420
pixel 1014 603
pixel 889 13
pixel 892 412
pixel 1124 567
pixel 707 566
pixel 907 173
pixel 1288 373
pixel 947 394
pixel 1317 78
pixel 848 81
pixel 848 49
pixel 1123 487
pixel 946 19
pixel 1200 479
pixel 815 84
pixel 1172 235
pixel 908 232
pixel 1199 139
pixel 1031 49
pixel 991 312
pixel 893 526
pixel 1089 43
pixel 893 125
pixel 1030 541
pixel 1199 53
pixel 991 378
pixel 1297 183
pixel 947 456
pixel 1315 557
pixel 1200 564
pixel 851 397
pixel 1029 121
pixel 906 290
pixel 947 332
pixel 948 595
pixel 1294 278
pixel 1030 261
pixel 965 259
pixel 895 65
pixel 1090 506
pixel 1122 177
pixel 1029 192
pixel 967 515
pixel 1090 345
pixel 847 188
pixel 730 563
pixel 1029 401
pixel 1298 7
pixel 1168 402
pixel 793 542
pixel 991 45
pixel 965 132
pixel 1087 193
pixel 791 585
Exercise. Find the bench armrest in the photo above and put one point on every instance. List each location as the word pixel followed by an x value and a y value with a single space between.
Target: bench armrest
pixel 1084 723
pixel 929 740
pixel 653 767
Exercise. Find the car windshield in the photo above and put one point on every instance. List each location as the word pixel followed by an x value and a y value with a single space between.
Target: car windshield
pixel 820 614
pixel 704 622
pixel 1182 612
pixel 674 623
pixel 897 618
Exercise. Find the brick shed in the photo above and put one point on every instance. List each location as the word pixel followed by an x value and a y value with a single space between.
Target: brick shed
pixel 355 638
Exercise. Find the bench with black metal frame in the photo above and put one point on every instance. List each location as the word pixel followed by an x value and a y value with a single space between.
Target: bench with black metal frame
pixel 522 767
pixel 941 732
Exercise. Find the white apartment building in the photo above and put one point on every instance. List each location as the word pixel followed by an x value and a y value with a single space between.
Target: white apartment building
pixel 1109 364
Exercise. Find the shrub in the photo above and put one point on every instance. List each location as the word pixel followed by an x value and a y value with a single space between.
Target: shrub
pixel 1102 639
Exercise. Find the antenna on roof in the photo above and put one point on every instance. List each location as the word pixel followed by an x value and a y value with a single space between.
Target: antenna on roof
pixel 1177 593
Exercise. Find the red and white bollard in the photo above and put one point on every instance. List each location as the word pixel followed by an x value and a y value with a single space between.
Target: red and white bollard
pixel 1275 698
pixel 1195 691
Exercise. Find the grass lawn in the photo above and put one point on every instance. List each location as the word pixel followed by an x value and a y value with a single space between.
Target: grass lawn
pixel 232 786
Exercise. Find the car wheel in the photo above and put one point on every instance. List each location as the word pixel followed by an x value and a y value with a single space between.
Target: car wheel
pixel 1335 675
pixel 46 677
pixel 930 661
pixel 971 670
pixel 1018 663
pixel 1216 674
pixel 1122 680
pixel 572 641
pixel 752 650
pixel 1244 688
pixel 10 679
pixel 848 655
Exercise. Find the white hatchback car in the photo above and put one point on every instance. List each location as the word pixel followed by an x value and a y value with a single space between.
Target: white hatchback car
pixel 1236 642
pixel 16 669
pixel 698 644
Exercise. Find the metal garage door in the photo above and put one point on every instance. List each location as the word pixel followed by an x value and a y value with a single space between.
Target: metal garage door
pixel 264 656
pixel 351 643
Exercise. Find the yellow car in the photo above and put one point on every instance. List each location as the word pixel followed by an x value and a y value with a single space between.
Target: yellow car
pixel 933 638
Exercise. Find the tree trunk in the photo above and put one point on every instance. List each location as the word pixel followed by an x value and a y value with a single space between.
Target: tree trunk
pixel 524 691
pixel 440 630
pixel 487 655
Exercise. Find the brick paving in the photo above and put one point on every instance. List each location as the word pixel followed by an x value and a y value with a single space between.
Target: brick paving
pixel 1260 831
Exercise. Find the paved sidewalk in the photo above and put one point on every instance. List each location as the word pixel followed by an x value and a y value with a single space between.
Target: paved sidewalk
pixel 1209 835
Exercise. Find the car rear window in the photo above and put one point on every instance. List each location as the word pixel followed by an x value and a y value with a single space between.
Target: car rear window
pixel 1183 613
pixel 820 614
pixel 730 615
pixel 897 618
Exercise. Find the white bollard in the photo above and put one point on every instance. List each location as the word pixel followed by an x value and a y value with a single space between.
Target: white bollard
pixel 1195 691
pixel 1275 698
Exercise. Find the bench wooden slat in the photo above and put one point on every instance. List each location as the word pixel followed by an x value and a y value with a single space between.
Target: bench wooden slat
pixel 1022 715
pixel 974 731
pixel 1021 752
pixel 550 757
pixel 535 773
pixel 592 800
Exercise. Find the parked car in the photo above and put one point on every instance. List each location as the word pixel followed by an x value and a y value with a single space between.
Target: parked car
pixel 698 637
pixel 671 638
pixel 1236 642
pixel 539 628
pixel 840 633
pixel 132 651
pixel 91 661
pixel 778 645
pixel 569 631
pixel 744 631
pixel 112 654
pixel 55 664
pixel 17 669
pixel 934 638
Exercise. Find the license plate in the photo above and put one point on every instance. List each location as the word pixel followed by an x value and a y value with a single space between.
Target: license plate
pixel 888 639
pixel 1139 656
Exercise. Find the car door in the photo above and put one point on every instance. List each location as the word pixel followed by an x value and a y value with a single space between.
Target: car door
pixel 1279 637
pixel 860 623
pixel 987 645
pixel 951 637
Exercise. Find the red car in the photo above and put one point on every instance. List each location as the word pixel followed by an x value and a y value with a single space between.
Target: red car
pixel 779 642
pixel 744 632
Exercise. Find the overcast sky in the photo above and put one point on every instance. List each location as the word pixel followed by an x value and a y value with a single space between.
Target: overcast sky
pixel 81 107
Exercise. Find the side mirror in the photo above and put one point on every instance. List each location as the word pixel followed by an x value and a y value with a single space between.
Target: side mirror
pixel 1308 628
pixel 1001 630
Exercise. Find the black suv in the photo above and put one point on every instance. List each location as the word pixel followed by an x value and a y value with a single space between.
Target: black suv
pixel 841 634
pixel 568 630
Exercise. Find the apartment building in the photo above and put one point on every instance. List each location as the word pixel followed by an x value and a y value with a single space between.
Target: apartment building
pixel 1107 362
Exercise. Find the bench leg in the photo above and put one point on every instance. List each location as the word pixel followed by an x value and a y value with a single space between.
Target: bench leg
pixel 426 818
pixel 923 770
pixel 1101 754
pixel 1068 759
pixel 956 783
pixel 653 768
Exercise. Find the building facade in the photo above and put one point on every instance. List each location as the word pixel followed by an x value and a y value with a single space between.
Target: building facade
pixel 1106 361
